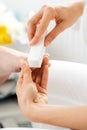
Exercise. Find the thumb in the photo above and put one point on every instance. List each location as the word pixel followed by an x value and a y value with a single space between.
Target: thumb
pixel 26 71
pixel 53 34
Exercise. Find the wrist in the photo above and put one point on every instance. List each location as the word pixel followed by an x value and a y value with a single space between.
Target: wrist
pixel 35 112
pixel 78 7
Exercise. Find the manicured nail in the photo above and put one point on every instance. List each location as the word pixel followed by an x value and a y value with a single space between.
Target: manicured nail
pixel 47 54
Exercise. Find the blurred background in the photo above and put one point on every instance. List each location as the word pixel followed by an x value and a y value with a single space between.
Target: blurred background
pixel 71 45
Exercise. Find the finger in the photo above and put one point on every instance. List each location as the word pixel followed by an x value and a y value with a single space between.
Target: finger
pixel 54 33
pixel 27 77
pixel 34 74
pixel 19 83
pixel 32 24
pixel 44 22
pixel 33 77
pixel 44 77
pixel 39 72
pixel 45 60
pixel 20 79
pixel 38 77
pixel 23 61
pixel 41 90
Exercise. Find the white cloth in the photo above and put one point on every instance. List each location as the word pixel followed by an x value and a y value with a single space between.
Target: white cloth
pixel 68 80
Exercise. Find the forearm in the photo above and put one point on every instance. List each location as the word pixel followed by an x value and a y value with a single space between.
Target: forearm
pixel 74 117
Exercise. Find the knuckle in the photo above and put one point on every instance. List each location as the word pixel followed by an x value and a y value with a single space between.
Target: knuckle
pixel 48 8
pixel 44 6
pixel 50 11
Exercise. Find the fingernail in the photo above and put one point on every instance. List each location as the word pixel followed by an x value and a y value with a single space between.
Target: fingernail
pixel 47 54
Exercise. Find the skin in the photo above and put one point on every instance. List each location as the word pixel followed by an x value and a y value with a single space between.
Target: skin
pixel 64 17
pixel 30 89
pixel 33 100
pixel 10 61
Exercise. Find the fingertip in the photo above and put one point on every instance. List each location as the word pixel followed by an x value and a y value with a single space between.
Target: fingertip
pixel 47 55
pixel 31 43
pixel 45 60
pixel 47 42
pixel 35 40
pixel 25 68
pixel 23 65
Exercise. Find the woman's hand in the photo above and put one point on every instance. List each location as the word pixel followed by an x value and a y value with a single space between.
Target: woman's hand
pixel 64 17
pixel 31 86
pixel 10 61
pixel 32 98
